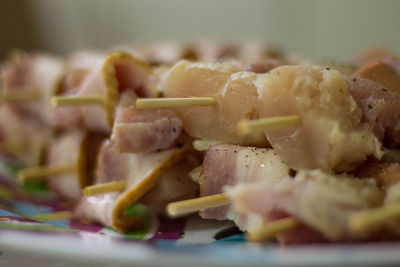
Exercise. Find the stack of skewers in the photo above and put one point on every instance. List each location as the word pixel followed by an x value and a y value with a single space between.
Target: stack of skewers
pixel 282 147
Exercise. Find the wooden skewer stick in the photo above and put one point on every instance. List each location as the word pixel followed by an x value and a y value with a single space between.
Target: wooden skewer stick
pixel 60 215
pixel 21 95
pixel 175 102
pixel 59 101
pixel 38 173
pixel 203 145
pixel 270 229
pixel 104 188
pixel 192 205
pixel 364 220
pixel 195 174
pixel 267 124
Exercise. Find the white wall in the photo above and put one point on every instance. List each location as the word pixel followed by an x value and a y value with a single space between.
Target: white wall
pixel 310 27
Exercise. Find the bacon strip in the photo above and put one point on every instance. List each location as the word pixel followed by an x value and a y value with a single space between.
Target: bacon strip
pixel 321 201
pixel 65 151
pixel 107 77
pixel 21 137
pixel 141 172
pixel 230 165
pixel 142 130
pixel 38 72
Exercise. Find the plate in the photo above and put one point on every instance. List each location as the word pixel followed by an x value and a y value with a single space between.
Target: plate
pixel 191 241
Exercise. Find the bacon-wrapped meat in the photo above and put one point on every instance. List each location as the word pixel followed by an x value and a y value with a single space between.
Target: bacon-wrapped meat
pixel 118 72
pixel 141 171
pixel 143 130
pixel 22 138
pixel 319 200
pixel 228 165
pixel 79 151
pixel 39 74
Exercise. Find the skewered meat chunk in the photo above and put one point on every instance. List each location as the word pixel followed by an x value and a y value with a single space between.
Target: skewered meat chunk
pixel 174 185
pixel 262 67
pixel 319 200
pixel 141 172
pixel 78 150
pixel 65 151
pixel 23 138
pixel 230 165
pixel 380 108
pixel 36 73
pixel 79 65
pixel 386 175
pixel 331 135
pixel 106 79
pixel 137 131
pixel 371 55
pixel 68 116
pixel 142 130
pixel 84 60
pixel 385 71
pixel 234 92
pixel 119 71
pixel 381 220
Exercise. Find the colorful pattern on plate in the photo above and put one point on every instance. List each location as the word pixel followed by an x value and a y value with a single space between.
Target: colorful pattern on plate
pixel 20 204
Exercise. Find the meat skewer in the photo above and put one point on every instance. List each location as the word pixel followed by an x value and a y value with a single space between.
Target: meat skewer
pixel 318 121
pixel 22 137
pixel 229 165
pixel 67 173
pixel 99 93
pixel 244 127
pixel 339 197
pixel 293 119
pixel 331 135
pixel 233 91
pixel 387 176
pixel 27 83
pixel 261 232
pixel 160 159
pixel 142 130
pixel 30 80
pixel 117 167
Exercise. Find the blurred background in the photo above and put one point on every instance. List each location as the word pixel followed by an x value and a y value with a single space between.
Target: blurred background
pixel 314 28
